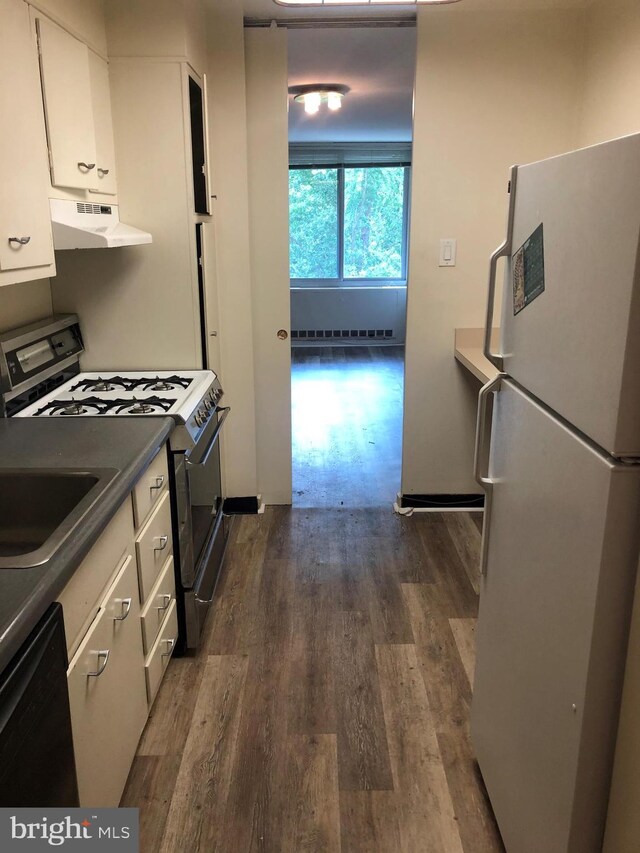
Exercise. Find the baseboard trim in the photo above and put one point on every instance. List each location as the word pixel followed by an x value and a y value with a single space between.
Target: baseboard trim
pixel 249 505
pixel 407 504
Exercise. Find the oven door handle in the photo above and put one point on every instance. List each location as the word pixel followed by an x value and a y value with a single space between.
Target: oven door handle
pixel 204 455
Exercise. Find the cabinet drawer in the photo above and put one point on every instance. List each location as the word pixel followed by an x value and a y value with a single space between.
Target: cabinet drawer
pixel 156 608
pixel 107 694
pixel 81 597
pixel 153 546
pixel 161 652
pixel 150 488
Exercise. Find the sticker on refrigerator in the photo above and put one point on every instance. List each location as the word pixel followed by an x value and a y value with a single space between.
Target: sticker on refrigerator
pixel 528 271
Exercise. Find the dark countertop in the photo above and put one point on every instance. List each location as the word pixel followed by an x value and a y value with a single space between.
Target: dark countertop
pixel 125 444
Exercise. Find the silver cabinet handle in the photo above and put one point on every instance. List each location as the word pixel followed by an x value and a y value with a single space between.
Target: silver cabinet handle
pixel 170 646
pixel 163 540
pixel 102 172
pixel 501 252
pixel 483 437
pixel 159 483
pixel 167 598
pixel 21 240
pixel 104 653
pixel 126 609
pixel 87 166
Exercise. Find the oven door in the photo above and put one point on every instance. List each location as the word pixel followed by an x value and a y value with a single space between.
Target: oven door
pixel 202 530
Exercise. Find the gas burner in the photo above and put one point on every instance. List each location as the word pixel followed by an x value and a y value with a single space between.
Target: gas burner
pixel 112 384
pixel 146 406
pixel 73 409
pixel 87 406
pixel 166 383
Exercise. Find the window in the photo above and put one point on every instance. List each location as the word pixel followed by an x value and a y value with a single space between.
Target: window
pixel 347 224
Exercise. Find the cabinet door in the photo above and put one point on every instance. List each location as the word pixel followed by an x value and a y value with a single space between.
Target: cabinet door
pixel 66 86
pixel 103 125
pixel 107 694
pixel 24 202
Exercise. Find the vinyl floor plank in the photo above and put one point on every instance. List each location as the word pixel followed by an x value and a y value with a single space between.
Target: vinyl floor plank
pixel 149 788
pixel 363 754
pixel 464 634
pixel 369 821
pixel 194 821
pixel 427 819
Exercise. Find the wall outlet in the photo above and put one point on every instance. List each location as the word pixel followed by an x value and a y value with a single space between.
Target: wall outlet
pixel 448 249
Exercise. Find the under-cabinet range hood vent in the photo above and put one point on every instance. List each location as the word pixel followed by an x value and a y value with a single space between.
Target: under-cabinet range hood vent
pixel 80 225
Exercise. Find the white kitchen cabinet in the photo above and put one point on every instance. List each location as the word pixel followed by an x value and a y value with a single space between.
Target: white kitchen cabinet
pixel 26 246
pixel 103 126
pixel 66 88
pixel 107 693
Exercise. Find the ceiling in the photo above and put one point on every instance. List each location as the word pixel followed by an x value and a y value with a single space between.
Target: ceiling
pixel 377 63
pixel 268 9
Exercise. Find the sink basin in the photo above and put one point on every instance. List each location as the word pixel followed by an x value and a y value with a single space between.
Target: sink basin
pixel 40 508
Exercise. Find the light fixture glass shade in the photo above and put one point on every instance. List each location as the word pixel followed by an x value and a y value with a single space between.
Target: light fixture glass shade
pixel 334 100
pixel 312 101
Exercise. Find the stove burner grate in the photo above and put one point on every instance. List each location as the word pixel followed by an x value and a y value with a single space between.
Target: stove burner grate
pixel 88 405
pixel 113 383
pixel 146 406
pixel 165 383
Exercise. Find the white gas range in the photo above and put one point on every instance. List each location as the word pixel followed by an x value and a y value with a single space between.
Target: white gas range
pixel 40 377
pixel 190 397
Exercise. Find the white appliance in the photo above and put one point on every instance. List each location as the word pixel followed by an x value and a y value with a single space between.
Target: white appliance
pixel 558 452
pixel 84 225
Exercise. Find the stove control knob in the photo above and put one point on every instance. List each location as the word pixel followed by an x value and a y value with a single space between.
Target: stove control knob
pixel 198 419
pixel 208 405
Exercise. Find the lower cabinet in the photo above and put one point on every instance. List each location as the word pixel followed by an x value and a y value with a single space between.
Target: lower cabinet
pixel 107 693
pixel 121 627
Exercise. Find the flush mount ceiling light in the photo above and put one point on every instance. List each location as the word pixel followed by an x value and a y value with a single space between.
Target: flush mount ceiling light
pixel 313 95
pixel 333 3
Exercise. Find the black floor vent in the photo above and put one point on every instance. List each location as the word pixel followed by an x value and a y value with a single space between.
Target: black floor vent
pixel 241 506
pixel 333 334
pixel 442 502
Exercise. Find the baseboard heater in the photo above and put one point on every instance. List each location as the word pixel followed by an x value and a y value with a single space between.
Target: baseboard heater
pixel 249 505
pixel 341 334
pixel 442 502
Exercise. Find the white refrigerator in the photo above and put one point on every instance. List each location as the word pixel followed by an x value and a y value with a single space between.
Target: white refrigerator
pixel 558 452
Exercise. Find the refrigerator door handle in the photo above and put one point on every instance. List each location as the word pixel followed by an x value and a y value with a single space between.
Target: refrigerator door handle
pixel 481 459
pixel 502 251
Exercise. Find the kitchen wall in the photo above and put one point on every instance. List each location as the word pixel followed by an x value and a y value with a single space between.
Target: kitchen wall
pixel 611 105
pixel 24 303
pixel 83 18
pixel 228 151
pixel 492 89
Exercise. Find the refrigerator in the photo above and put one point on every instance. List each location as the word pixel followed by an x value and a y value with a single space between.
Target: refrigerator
pixel 558 453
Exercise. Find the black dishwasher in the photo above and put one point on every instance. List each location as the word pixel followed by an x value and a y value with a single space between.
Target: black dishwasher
pixel 37 766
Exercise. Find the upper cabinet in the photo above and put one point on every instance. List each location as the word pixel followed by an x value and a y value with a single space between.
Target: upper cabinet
pixel 103 125
pixel 75 86
pixel 26 246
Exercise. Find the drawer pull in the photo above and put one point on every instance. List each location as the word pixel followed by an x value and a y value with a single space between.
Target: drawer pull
pixel 170 646
pixel 21 240
pixel 102 172
pixel 159 483
pixel 126 609
pixel 167 598
pixel 86 166
pixel 104 653
pixel 163 540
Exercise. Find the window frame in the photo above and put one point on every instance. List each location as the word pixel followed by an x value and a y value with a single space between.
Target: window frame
pixel 340 280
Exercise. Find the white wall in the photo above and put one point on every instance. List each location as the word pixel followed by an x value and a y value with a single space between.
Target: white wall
pixel 611 105
pixel 329 308
pixel 228 152
pixel 24 303
pixel 492 89
pixel 83 18
pixel 268 159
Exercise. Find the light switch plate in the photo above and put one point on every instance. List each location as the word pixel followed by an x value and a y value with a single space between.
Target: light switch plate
pixel 448 249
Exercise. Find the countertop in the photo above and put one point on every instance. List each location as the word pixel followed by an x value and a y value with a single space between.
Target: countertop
pixel 468 349
pixel 125 444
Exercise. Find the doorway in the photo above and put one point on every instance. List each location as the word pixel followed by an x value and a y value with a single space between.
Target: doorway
pixel 349 186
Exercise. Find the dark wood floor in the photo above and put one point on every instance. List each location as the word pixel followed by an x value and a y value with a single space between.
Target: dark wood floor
pixel 329 707
pixel 346 425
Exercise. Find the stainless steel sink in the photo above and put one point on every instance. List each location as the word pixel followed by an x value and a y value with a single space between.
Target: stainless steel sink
pixel 40 509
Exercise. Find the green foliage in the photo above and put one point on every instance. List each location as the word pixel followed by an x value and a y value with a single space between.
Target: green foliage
pixel 313 223
pixel 372 221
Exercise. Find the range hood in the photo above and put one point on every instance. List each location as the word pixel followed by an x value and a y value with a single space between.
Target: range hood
pixel 80 225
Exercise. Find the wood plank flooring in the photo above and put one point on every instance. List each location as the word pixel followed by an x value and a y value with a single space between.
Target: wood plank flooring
pixel 346 406
pixel 328 709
